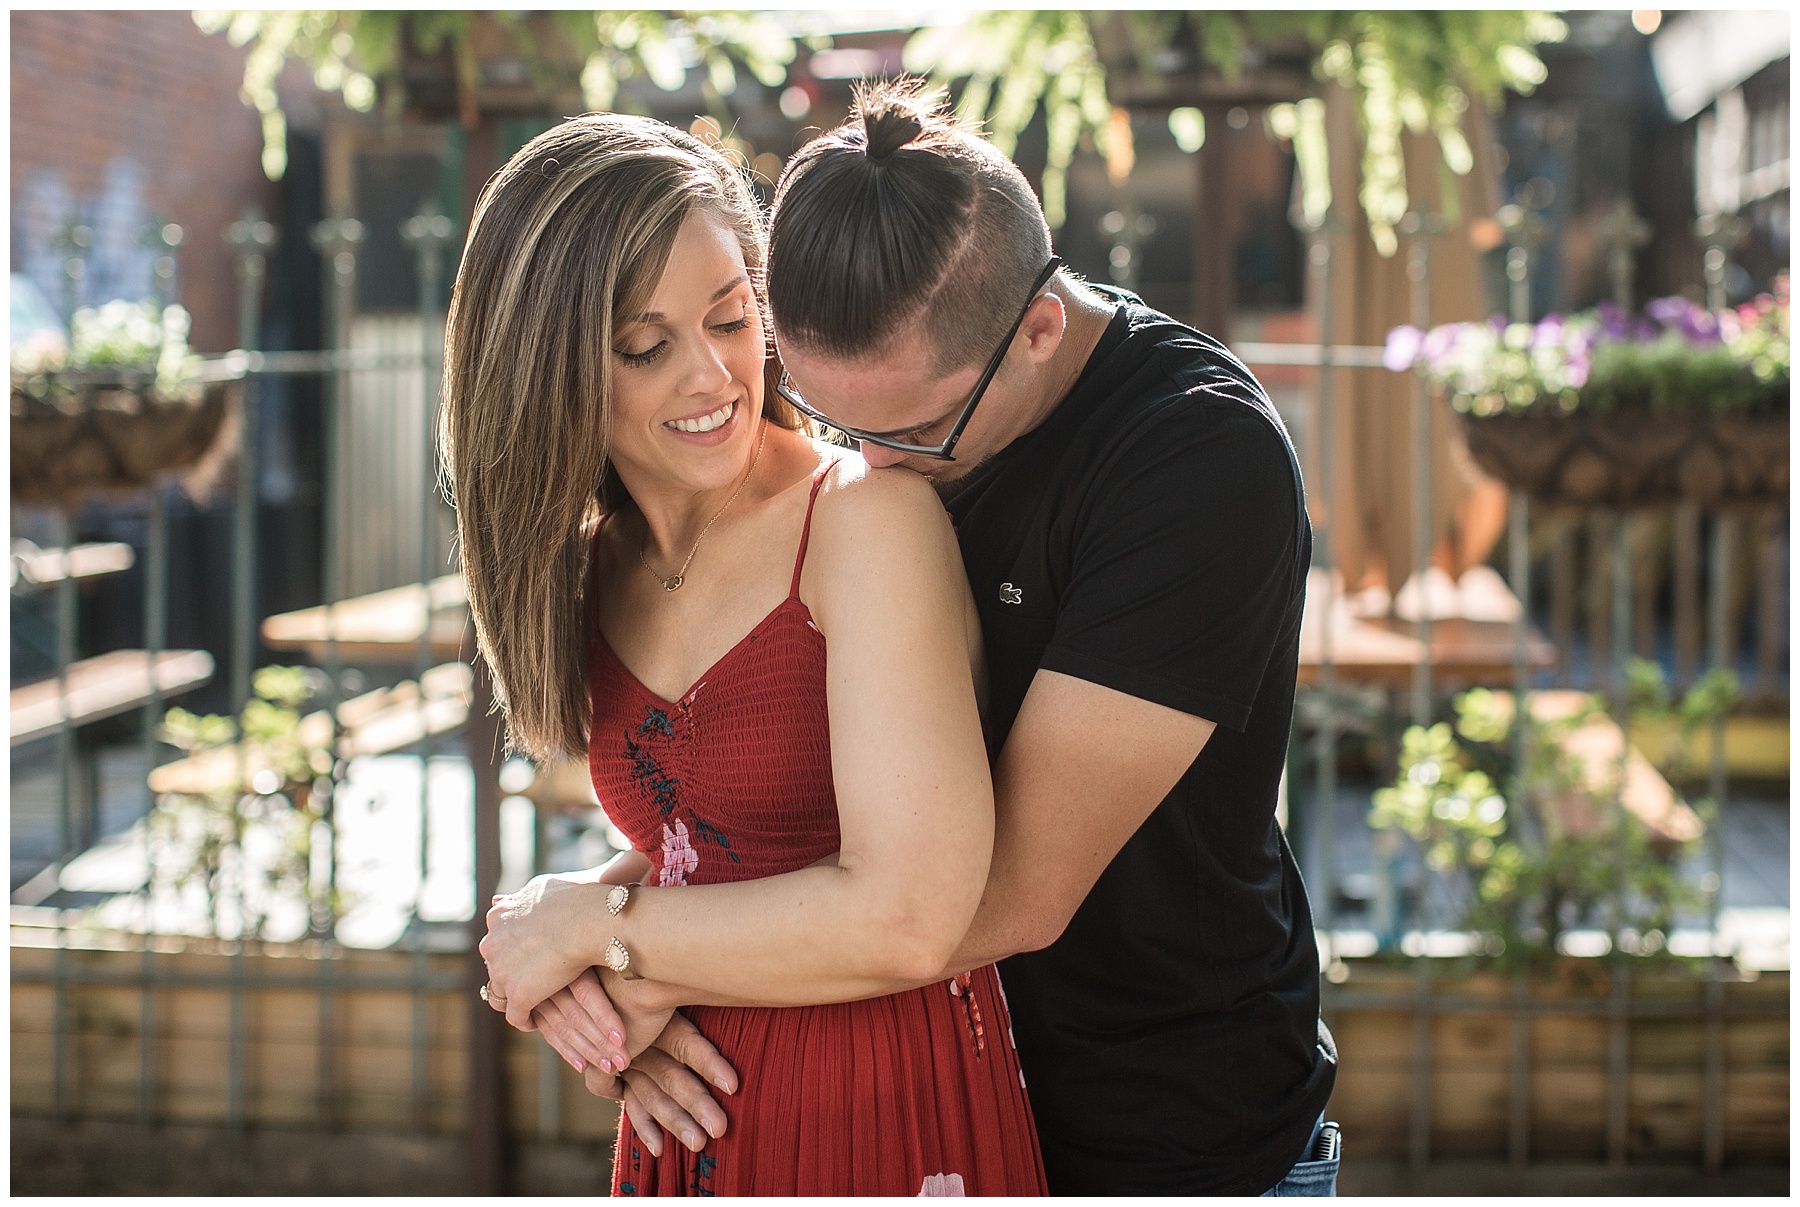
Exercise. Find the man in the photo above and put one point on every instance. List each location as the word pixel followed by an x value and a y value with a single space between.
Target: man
pixel 1132 523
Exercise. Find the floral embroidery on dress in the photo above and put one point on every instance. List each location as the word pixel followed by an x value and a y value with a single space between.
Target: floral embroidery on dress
pixel 656 721
pixel 637 1169
pixel 707 832
pixel 679 859
pixel 649 776
pixel 942 1185
pixel 962 987
pixel 704 1166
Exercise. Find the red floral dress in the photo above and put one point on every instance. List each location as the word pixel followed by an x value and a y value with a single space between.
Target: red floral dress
pixel 914 1093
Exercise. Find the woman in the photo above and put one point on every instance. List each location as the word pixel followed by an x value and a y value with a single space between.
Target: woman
pixel 658 560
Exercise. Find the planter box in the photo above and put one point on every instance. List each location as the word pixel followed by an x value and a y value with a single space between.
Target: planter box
pixel 1468 1040
pixel 1635 457
pixel 368 1025
pixel 111 442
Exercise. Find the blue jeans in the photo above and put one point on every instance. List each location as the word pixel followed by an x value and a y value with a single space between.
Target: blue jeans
pixel 1310 1178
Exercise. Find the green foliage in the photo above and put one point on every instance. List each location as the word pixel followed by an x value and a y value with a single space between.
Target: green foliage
pixel 246 840
pixel 1679 357
pixel 1671 374
pixel 359 54
pixel 136 342
pixel 1015 62
pixel 1550 850
pixel 1405 70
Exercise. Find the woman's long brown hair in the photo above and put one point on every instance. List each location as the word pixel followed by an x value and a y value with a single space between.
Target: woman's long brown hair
pixel 575 229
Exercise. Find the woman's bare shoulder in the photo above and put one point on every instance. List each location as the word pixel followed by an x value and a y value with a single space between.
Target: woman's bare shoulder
pixel 856 494
pixel 880 538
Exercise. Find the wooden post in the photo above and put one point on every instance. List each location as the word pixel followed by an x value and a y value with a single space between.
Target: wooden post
pixel 487 1026
pixel 1518 1098
pixel 1419 1131
pixel 1214 273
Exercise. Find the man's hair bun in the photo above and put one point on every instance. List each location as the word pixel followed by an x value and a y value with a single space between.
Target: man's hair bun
pixel 887 131
pixel 892 115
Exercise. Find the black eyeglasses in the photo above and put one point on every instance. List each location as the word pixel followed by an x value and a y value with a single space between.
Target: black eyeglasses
pixel 944 451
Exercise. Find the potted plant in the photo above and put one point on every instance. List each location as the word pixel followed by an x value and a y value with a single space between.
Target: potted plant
pixel 1508 1040
pixel 236 821
pixel 1583 836
pixel 1602 409
pixel 114 408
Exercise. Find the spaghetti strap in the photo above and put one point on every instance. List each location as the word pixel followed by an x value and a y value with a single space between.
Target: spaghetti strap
pixel 819 477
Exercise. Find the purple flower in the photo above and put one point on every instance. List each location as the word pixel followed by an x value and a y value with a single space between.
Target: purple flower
pixel 1580 361
pixel 1439 345
pixel 1612 322
pixel 1693 323
pixel 1402 348
pixel 1549 332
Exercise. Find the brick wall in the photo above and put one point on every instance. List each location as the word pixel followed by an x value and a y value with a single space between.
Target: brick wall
pixel 89 88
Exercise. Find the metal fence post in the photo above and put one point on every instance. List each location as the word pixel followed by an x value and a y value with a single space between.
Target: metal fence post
pixel 1526 229
pixel 1618 1038
pixel 70 837
pixel 487 1027
pixel 156 636
pixel 1324 837
pixel 427 233
pixel 1721 655
pixel 337 240
pixel 250 238
pixel 1421 227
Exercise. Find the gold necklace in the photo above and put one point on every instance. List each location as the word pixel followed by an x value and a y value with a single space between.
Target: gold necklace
pixel 674 581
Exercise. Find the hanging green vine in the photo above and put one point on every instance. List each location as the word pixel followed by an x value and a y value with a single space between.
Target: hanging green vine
pixel 1406 71
pixel 359 55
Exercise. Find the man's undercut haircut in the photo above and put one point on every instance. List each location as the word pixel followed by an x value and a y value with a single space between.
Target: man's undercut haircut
pixel 899 215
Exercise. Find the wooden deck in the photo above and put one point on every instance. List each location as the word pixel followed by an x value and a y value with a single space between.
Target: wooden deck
pixel 102 687
pixel 381 627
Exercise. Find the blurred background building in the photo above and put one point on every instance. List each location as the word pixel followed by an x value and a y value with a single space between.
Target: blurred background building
pixel 191 1015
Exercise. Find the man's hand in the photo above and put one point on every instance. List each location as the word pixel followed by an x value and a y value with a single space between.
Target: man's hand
pixel 644 1007
pixel 580 1023
pixel 667 1086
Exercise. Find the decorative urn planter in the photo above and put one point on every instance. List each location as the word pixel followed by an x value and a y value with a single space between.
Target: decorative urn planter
pixel 1635 457
pixel 111 439
pixel 1605 409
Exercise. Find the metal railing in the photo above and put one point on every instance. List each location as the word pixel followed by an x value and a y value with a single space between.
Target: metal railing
pixel 350 377
pixel 342 367
pixel 1611 549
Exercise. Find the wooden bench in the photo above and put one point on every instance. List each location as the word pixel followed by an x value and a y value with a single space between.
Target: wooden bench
pixel 377 722
pixel 103 686
pixel 1381 651
pixel 42 567
pixel 1596 747
pixel 381 627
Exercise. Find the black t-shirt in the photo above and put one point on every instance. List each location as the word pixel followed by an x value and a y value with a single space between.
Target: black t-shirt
pixel 1150 536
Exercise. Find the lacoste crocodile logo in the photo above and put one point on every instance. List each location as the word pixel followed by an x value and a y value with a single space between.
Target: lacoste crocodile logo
pixel 1010 594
